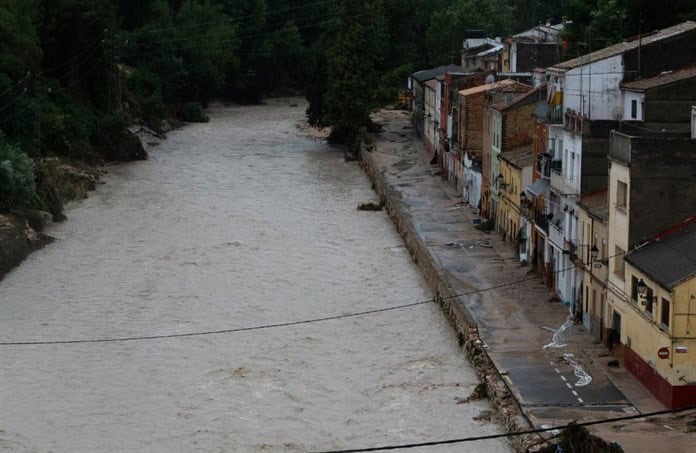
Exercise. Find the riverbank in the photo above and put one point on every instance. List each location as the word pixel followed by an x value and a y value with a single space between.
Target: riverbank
pixel 501 312
pixel 61 181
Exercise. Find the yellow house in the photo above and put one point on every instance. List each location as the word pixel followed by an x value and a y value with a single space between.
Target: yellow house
pixel 660 317
pixel 593 217
pixel 515 168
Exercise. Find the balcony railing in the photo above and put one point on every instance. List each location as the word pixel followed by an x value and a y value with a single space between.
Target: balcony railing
pixel 556 235
pixel 563 184
pixel 620 148
pixel 526 210
pixel 550 113
pixel 541 220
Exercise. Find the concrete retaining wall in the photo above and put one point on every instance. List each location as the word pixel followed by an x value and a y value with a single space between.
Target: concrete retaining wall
pixel 503 404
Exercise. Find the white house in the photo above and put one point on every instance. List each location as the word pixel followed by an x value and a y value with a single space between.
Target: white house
pixel 586 89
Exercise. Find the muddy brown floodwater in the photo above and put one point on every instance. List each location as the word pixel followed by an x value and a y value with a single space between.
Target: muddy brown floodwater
pixel 243 221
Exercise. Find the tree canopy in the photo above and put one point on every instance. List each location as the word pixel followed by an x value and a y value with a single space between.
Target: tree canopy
pixel 74 70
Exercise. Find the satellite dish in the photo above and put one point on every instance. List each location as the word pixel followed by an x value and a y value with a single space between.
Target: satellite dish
pixel 617 113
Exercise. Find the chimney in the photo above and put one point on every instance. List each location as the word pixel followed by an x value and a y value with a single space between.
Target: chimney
pixel 498 39
pixel 548 22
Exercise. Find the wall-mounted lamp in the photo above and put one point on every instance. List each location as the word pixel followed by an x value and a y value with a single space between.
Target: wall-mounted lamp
pixel 642 289
pixel 501 181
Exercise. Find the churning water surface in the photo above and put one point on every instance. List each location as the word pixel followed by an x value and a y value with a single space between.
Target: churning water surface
pixel 243 221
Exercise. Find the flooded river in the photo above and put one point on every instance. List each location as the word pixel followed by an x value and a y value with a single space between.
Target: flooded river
pixel 243 221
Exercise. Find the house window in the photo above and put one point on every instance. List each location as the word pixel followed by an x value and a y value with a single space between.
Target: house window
pixel 621 190
pixel 649 301
pixel 619 262
pixel 634 289
pixel 664 316
pixel 634 109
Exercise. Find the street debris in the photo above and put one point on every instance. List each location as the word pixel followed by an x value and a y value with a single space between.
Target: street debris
pixel 557 338
pixel 583 377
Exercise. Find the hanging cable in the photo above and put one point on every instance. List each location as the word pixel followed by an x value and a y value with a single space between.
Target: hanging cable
pixel 276 325
pixel 508 434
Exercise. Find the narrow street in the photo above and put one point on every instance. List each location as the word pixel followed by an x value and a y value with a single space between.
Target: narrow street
pixel 517 318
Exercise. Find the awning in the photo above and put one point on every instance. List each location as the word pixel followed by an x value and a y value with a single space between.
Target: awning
pixel 539 187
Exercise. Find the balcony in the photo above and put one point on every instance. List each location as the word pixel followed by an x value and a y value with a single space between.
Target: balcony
pixel 549 113
pixel 556 235
pixel 526 211
pixel 620 148
pixel 564 185
pixel 541 220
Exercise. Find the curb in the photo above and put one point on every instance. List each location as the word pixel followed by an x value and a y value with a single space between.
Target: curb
pixel 506 408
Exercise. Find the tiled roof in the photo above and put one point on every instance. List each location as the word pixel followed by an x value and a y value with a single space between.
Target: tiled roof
pixel 669 260
pixel 519 157
pixel 538 93
pixel 623 47
pixel 596 204
pixel 662 79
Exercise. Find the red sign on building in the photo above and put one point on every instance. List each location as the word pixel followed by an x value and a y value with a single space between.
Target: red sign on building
pixel 663 353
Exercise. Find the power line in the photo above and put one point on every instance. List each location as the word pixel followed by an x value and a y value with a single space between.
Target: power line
pixel 508 434
pixel 215 332
pixel 40 98
pixel 16 84
pixel 97 41
pixel 70 72
pixel 271 326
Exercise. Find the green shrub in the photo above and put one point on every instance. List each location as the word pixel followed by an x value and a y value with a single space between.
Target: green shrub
pixel 146 87
pixel 192 112
pixel 17 176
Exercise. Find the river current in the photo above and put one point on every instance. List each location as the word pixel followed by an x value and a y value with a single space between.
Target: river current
pixel 242 221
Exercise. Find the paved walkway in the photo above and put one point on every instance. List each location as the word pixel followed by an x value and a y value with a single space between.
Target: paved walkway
pixel 516 320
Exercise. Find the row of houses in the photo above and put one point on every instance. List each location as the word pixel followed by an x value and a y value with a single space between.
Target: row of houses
pixel 588 168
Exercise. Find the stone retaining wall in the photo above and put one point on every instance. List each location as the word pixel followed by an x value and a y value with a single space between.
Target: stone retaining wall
pixel 504 406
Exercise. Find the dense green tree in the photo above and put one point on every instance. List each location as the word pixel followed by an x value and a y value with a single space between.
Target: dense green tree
pixel 353 61
pixel 446 29
pixel 70 67
pixel 20 62
pixel 17 176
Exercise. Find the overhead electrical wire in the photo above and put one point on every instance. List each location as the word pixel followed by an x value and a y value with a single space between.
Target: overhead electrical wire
pixel 64 88
pixel 275 325
pixel 508 434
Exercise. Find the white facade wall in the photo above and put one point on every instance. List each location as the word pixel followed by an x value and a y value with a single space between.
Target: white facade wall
pixel 618 220
pixel 555 145
pixel 430 117
pixel 594 89
pixel 436 125
pixel 471 186
pixel 631 99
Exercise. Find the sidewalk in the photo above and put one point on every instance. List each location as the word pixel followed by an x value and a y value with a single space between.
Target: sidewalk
pixel 517 320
